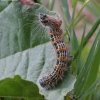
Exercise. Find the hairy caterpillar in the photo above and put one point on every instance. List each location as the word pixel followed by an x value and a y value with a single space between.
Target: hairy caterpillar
pixel 61 50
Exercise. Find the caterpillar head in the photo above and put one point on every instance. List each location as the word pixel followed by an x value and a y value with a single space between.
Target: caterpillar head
pixel 53 23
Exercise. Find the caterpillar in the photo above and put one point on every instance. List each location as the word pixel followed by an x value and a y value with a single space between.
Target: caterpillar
pixel 49 81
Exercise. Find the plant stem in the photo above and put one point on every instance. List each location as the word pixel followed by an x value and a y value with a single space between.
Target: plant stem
pixel 77 15
pixel 51 5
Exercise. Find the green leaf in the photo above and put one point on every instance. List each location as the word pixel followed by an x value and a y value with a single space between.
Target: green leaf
pixel 83 76
pixel 77 63
pixel 94 7
pixel 26 49
pixel 79 19
pixel 82 0
pixel 89 35
pixel 4 4
pixel 74 48
pixel 74 42
pixel 4 98
pixel 74 3
pixel 91 89
pixel 93 70
pixel 66 10
pixel 17 25
pixel 23 88
pixel 51 4
pixel 38 1
pixel 80 51
pixel 78 14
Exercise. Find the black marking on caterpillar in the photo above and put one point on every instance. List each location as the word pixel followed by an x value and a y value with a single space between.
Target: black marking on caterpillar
pixel 49 81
